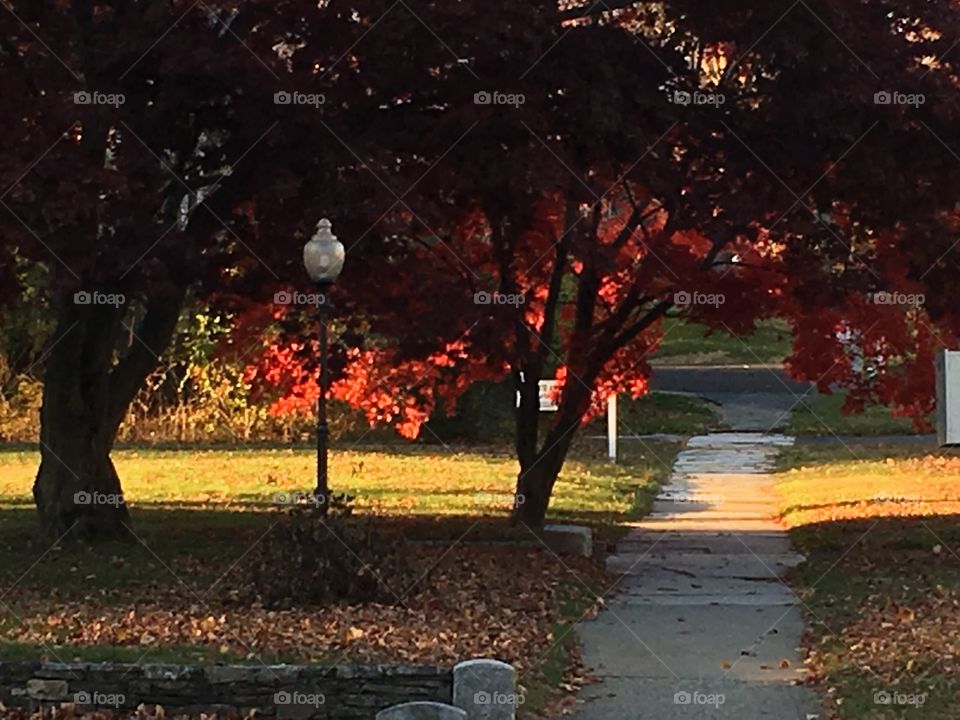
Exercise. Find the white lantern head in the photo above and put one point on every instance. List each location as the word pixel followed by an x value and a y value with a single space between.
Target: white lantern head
pixel 323 255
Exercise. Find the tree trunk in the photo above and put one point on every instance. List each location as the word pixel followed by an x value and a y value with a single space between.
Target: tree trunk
pixel 86 394
pixel 534 486
pixel 536 479
pixel 77 489
pixel 539 470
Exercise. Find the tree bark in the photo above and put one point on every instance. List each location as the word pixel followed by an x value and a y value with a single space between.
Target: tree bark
pixel 536 479
pixel 539 468
pixel 538 476
pixel 86 394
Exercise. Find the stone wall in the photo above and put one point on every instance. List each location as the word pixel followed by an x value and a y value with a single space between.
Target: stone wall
pixel 300 692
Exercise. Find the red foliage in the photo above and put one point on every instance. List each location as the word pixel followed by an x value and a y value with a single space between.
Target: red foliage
pixel 590 211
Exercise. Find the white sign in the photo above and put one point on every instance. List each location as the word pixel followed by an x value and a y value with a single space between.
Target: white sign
pixel 548 390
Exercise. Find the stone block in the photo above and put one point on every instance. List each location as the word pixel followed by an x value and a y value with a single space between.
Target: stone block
pixel 48 690
pixel 422 711
pixel 166 672
pixel 62 671
pixel 277 674
pixel 486 690
pixel 220 674
pixel 569 539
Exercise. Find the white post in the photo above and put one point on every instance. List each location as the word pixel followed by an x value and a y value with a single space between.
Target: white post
pixel 612 427
pixel 948 397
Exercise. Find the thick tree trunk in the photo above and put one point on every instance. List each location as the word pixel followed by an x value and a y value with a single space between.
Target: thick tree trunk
pixel 85 397
pixel 534 487
pixel 77 489
pixel 536 479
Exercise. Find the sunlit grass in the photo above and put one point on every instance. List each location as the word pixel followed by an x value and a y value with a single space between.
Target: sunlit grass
pixel 213 504
pixel 879 526
pixel 854 482
pixel 404 480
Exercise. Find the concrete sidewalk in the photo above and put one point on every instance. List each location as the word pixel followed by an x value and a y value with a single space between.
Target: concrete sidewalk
pixel 701 625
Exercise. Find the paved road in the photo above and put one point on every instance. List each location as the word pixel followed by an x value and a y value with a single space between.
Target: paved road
pixel 759 398
pixel 755 398
pixel 726 379
pixel 701 625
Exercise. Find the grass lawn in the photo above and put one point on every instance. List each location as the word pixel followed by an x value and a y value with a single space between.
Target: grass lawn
pixel 690 344
pixel 822 415
pixel 655 412
pixel 665 413
pixel 197 513
pixel 882 582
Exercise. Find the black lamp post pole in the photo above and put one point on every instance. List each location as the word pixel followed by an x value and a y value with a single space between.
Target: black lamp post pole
pixel 322 493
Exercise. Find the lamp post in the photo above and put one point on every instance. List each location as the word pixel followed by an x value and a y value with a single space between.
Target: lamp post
pixel 323 258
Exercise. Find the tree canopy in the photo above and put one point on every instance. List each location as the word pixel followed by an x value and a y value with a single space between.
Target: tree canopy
pixel 522 190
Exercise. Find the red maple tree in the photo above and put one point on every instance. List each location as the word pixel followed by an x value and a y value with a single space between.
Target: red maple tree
pixel 601 160
pixel 741 178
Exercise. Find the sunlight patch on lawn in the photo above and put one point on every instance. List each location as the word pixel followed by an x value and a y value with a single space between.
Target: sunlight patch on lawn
pixel 399 481
pixel 845 484
pixel 881 584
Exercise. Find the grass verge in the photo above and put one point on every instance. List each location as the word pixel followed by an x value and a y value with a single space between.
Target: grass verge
pixel 881 585
pixel 686 343
pixel 823 415
pixel 667 413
